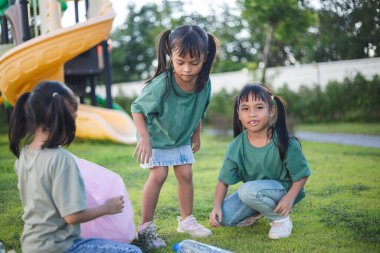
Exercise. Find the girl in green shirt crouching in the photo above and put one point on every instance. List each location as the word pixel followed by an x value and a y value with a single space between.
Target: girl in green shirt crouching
pixel 267 159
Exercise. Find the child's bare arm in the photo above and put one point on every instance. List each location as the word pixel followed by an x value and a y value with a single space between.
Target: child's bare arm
pixel 216 213
pixel 143 148
pixel 196 138
pixel 286 203
pixel 111 206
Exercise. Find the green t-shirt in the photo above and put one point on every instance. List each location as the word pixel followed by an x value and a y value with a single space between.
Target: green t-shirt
pixel 171 114
pixel 51 187
pixel 244 162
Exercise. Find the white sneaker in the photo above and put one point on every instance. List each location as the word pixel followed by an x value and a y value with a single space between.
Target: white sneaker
pixel 281 228
pixel 148 236
pixel 249 221
pixel 191 226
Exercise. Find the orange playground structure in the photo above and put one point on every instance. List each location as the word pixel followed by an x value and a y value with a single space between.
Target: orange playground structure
pixel 27 61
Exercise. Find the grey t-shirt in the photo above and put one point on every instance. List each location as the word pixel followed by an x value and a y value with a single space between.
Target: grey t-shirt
pixel 51 187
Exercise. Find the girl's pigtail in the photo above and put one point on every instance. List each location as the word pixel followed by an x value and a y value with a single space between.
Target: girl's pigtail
pixel 60 120
pixel 238 127
pixel 162 51
pixel 18 124
pixel 280 127
pixel 203 76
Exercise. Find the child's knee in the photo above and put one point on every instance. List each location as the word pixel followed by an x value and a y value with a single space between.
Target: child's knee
pixel 185 176
pixel 248 193
pixel 159 175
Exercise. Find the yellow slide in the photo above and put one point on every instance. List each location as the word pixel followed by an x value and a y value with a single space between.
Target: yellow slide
pixel 43 58
pixel 105 124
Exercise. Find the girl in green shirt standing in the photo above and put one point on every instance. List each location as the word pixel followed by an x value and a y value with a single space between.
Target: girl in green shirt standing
pixel 267 159
pixel 168 116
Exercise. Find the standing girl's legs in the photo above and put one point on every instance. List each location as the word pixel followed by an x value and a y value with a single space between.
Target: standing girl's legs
pixel 152 188
pixel 187 222
pixel 184 177
pixel 147 231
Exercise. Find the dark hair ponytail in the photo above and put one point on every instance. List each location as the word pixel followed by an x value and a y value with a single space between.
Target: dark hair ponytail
pixel 50 106
pixel 280 127
pixel 59 120
pixel 162 50
pixel 203 76
pixel 18 124
pixel 237 126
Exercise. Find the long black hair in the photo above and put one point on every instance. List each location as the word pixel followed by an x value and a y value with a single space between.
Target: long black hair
pixel 260 91
pixel 187 39
pixel 51 107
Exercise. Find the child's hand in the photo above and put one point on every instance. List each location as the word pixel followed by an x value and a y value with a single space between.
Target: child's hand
pixel 114 205
pixel 143 150
pixel 195 142
pixel 285 205
pixel 215 217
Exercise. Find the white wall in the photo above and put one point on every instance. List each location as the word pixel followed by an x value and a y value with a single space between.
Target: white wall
pixel 294 76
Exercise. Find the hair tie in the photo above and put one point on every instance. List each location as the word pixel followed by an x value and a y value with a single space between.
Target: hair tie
pixel 55 94
pixel 170 34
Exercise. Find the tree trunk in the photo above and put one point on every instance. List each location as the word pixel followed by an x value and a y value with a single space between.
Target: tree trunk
pixel 268 41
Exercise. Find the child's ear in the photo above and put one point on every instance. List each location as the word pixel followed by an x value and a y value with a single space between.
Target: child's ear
pixel 272 111
pixel 272 115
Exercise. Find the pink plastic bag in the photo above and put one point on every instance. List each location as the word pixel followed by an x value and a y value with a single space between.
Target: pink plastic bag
pixel 102 184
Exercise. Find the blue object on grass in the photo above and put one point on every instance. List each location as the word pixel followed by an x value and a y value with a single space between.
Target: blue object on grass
pixel 191 246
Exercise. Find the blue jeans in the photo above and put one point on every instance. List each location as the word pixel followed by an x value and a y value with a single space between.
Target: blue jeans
pixel 89 245
pixel 252 198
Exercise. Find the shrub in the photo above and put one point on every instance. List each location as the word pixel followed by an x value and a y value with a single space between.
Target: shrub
pixel 220 111
pixel 353 99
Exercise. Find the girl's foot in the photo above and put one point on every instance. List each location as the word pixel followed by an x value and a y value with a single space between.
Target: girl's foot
pixel 148 236
pixel 281 228
pixel 191 226
pixel 249 221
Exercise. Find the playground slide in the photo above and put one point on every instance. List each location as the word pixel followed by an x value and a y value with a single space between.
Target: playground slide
pixel 105 124
pixel 43 58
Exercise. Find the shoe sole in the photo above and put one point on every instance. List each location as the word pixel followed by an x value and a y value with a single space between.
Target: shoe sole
pixel 193 234
pixel 278 237
pixel 250 223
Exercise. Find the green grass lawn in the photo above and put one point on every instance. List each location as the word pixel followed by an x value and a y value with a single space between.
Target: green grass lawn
pixel 339 214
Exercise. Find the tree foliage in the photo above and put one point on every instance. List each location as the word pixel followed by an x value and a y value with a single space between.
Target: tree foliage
pixel 348 29
pixel 276 27
pixel 263 33
pixel 133 43
pixel 353 99
pixel 133 54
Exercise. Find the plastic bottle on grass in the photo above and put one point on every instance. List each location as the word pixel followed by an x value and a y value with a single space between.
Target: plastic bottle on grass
pixel 191 246
pixel 2 248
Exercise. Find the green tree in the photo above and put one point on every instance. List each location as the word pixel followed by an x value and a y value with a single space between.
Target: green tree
pixel 348 29
pixel 133 54
pixel 133 50
pixel 277 26
pixel 237 49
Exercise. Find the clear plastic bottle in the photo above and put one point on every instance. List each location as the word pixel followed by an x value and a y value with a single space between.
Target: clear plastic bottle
pixel 191 246
pixel 2 248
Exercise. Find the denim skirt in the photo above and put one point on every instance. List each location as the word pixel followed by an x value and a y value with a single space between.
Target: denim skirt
pixel 170 157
